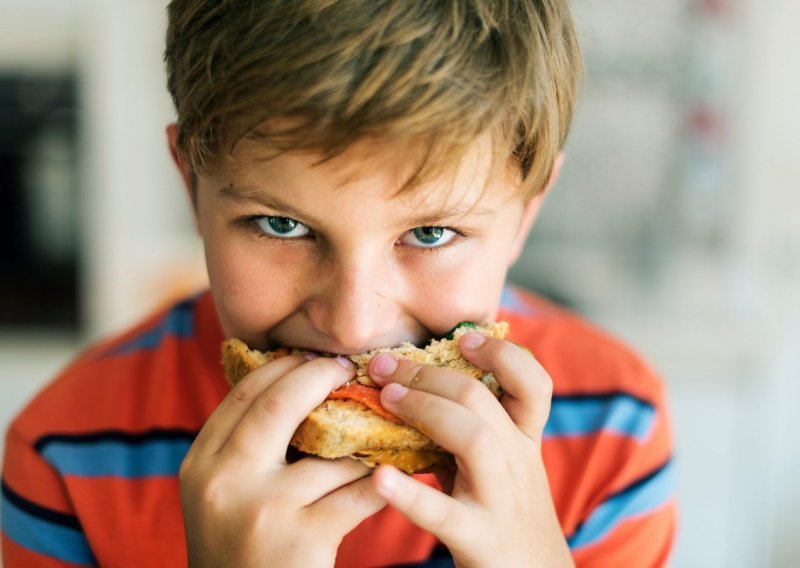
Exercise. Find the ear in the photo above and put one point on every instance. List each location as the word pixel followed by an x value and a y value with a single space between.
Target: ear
pixel 532 210
pixel 183 168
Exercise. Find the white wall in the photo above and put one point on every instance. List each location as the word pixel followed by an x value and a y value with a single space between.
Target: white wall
pixel 139 247
pixel 770 246
pixel 728 337
pixel 137 230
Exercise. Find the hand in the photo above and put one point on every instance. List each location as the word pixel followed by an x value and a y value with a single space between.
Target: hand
pixel 243 505
pixel 500 511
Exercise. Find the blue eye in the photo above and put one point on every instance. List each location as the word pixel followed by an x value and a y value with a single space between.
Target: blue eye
pixel 282 227
pixel 428 237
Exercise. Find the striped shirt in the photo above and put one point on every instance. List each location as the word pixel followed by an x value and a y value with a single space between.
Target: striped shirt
pixel 90 471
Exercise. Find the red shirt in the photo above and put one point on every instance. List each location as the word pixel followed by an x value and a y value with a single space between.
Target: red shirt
pixel 90 472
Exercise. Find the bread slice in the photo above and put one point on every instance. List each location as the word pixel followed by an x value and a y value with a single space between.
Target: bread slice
pixel 339 428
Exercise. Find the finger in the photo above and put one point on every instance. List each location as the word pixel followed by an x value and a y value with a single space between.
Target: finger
pixel 423 505
pixel 446 383
pixel 456 428
pixel 349 505
pixel 269 422
pixel 527 386
pixel 316 477
pixel 224 418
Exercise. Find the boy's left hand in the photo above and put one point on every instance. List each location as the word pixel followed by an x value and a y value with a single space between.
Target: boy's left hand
pixel 500 511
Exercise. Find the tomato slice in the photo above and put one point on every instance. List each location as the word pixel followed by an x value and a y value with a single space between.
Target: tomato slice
pixel 368 396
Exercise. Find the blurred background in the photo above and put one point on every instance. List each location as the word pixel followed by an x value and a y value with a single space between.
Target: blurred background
pixel 674 225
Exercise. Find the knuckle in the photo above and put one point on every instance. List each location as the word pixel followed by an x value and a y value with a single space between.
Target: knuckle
pixel 545 386
pixel 271 406
pixel 440 518
pixel 362 497
pixel 481 440
pixel 212 493
pixel 243 391
pixel 191 467
pixel 503 350
pixel 414 498
pixel 187 468
pixel 209 490
pixel 471 393
pixel 410 372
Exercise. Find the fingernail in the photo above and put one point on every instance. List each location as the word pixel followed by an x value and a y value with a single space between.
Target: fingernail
pixel 394 391
pixel 384 365
pixel 344 362
pixel 310 356
pixel 473 340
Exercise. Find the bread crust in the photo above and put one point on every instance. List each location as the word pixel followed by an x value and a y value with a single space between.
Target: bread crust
pixel 336 429
pixel 347 428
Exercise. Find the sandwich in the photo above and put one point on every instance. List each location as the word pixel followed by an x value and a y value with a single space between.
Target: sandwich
pixel 351 422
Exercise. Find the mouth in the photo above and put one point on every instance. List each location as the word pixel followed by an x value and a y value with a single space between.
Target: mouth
pixel 324 346
pixel 334 352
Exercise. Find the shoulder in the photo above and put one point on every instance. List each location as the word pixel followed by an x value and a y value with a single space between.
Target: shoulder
pixel 580 357
pixel 126 382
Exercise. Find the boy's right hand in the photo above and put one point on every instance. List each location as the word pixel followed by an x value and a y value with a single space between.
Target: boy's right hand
pixel 243 505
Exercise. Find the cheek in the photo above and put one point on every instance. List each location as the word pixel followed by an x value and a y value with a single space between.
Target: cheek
pixel 252 290
pixel 467 290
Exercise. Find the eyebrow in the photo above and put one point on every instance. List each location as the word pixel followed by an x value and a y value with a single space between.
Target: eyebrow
pixel 249 195
pixel 451 213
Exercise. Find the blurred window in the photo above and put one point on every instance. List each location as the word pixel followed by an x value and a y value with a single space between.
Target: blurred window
pixel 38 202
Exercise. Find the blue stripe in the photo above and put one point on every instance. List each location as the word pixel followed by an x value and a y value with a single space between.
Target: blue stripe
pixel 645 496
pixel 56 541
pixel 617 413
pixel 158 457
pixel 178 322
pixel 510 300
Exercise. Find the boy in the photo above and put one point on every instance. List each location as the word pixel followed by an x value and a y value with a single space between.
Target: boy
pixel 362 173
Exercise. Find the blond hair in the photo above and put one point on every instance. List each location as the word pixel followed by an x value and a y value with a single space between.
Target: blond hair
pixel 439 72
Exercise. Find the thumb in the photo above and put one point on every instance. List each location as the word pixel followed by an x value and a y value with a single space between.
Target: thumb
pixel 527 386
pixel 350 504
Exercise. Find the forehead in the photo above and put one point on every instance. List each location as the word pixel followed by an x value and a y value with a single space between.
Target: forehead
pixel 481 174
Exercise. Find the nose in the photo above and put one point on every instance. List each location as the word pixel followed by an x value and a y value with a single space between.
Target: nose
pixel 355 305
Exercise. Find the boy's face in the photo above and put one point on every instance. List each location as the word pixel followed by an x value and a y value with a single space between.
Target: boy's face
pixel 326 257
